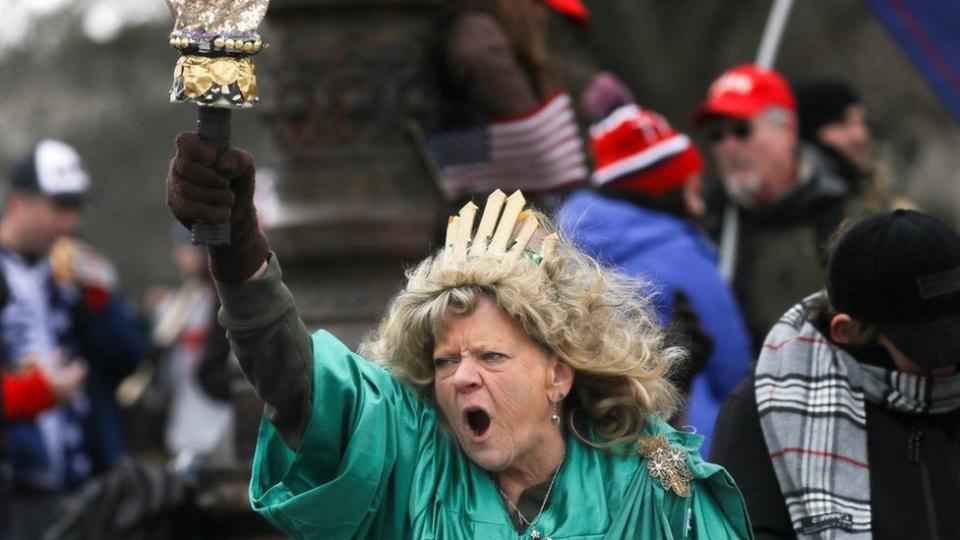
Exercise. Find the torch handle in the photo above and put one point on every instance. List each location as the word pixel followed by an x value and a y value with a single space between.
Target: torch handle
pixel 213 126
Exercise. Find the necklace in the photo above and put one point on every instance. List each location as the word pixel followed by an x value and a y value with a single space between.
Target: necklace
pixel 534 534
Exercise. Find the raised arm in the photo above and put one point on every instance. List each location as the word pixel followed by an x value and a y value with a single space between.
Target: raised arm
pixel 258 313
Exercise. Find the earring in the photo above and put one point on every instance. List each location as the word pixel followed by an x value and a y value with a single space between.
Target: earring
pixel 555 417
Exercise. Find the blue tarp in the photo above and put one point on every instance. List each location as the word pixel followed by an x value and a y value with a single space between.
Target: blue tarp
pixel 929 31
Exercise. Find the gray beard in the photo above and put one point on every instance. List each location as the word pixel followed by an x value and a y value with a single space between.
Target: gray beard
pixel 743 192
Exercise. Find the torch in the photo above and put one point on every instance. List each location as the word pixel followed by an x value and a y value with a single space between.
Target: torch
pixel 217 40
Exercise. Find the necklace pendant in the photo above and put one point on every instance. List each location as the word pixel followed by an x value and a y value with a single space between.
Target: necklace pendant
pixel 535 535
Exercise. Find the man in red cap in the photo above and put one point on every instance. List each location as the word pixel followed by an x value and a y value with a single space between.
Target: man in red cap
pixel 782 202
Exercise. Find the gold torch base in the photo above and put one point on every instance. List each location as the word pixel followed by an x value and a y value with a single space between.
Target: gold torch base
pixel 222 81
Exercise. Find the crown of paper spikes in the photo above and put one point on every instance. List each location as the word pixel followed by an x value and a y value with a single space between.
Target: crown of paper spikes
pixel 504 232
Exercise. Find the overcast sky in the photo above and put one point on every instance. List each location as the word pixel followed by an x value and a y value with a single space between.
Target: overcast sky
pixel 102 19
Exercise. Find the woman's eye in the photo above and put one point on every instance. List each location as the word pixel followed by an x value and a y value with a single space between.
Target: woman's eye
pixel 492 356
pixel 440 363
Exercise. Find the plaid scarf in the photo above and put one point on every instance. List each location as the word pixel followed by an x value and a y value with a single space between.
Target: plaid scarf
pixel 810 398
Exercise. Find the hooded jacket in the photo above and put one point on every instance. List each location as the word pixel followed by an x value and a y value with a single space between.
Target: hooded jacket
pixel 671 254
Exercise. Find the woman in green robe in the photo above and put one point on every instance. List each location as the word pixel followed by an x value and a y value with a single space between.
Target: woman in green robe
pixel 515 389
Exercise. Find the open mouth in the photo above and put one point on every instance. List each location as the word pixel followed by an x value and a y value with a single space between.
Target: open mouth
pixel 478 421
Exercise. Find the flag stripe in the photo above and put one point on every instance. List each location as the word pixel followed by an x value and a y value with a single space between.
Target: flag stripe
pixel 536 152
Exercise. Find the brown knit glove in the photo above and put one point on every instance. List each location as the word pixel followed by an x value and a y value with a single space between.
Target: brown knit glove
pixel 203 187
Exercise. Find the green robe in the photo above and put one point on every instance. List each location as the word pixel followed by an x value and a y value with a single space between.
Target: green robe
pixel 374 462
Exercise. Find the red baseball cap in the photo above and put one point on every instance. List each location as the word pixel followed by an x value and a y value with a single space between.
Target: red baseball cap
pixel 571 8
pixel 744 91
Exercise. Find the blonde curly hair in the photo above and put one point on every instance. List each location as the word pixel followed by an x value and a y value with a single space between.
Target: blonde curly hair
pixel 598 321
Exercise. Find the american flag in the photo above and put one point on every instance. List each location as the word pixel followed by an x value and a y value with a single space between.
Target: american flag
pixel 538 151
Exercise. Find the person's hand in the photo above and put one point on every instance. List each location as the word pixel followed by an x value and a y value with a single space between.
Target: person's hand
pixel 66 380
pixel 204 187
pixel 93 269
pixel 75 264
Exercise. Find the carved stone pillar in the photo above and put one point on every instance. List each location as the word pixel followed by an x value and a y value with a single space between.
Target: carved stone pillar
pixel 357 202
pixel 344 83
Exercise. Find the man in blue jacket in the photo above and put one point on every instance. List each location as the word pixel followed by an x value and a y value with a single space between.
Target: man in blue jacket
pixel 641 217
pixel 59 306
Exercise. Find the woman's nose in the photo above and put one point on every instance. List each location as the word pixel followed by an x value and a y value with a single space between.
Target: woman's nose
pixel 467 377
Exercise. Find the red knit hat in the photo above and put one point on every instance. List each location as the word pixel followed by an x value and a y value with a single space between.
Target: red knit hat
pixel 636 149
pixel 744 91
pixel 571 8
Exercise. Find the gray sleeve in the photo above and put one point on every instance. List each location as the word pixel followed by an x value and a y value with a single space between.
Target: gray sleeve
pixel 273 347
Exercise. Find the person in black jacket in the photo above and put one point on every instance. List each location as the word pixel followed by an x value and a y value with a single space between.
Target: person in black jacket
pixel 849 426
pixel 833 119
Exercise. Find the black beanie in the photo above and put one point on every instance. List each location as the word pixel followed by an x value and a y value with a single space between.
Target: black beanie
pixel 820 103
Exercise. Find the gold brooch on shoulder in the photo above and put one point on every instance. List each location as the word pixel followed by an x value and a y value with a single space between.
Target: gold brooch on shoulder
pixel 668 464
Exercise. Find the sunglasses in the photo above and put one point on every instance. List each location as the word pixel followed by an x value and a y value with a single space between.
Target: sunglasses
pixel 717 132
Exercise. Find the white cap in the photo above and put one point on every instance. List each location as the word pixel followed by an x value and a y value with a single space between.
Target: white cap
pixel 59 170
